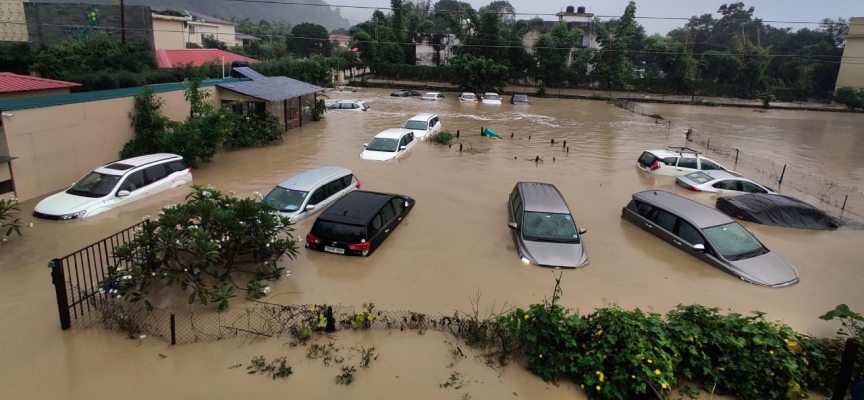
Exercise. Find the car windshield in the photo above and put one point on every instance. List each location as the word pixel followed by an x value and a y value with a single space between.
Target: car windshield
pixel 520 97
pixel 431 95
pixel 468 96
pixel 734 242
pixel 94 185
pixel 548 227
pixel 285 199
pixel 491 97
pixel 415 125
pixel 327 230
pixel 699 177
pixel 383 144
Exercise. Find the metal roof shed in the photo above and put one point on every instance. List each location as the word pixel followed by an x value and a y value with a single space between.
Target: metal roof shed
pixel 288 99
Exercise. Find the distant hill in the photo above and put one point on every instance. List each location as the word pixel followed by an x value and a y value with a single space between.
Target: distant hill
pixel 293 14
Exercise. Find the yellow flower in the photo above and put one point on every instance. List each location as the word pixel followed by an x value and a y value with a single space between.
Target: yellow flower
pixel 541 356
pixel 526 316
pixel 598 388
pixel 771 352
pixel 582 386
pixel 721 369
pixel 602 378
pixel 663 385
pixel 656 372
pixel 632 376
pixel 599 332
pixel 597 373
pixel 771 374
pixel 650 362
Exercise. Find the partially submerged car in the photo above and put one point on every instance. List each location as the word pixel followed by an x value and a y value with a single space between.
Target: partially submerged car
pixel 389 144
pixel 709 236
pixel 719 181
pixel 544 230
pixel 353 105
pixel 423 125
pixel 405 93
pixel 520 100
pixel 358 223
pixel 777 210
pixel 306 193
pixel 491 98
pixel 469 97
pixel 674 161
pixel 433 96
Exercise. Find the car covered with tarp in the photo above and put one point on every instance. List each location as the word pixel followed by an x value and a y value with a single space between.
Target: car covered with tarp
pixel 777 210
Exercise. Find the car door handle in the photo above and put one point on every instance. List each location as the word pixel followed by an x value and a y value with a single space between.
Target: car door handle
pixel 386 230
pixel 649 225
pixel 400 218
pixel 676 242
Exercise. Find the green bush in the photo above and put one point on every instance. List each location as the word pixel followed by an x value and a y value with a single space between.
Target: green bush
pixel 850 97
pixel 9 218
pixel 256 130
pixel 442 137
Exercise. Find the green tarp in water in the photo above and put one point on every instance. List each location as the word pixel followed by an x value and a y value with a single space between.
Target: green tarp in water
pixel 488 132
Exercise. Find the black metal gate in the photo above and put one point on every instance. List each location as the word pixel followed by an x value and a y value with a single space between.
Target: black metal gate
pixel 76 279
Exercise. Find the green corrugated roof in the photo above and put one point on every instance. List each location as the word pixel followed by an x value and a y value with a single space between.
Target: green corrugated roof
pixel 72 98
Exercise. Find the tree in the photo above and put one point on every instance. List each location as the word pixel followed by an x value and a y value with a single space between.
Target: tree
pixel 478 74
pixel 670 58
pixel 210 42
pixel 612 66
pixel 552 53
pixel 149 124
pixel 850 97
pixel 504 9
pixel 204 246
pixel 71 59
pixel 339 31
pixel 308 39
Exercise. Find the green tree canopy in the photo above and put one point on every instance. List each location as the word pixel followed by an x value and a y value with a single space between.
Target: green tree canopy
pixel 308 39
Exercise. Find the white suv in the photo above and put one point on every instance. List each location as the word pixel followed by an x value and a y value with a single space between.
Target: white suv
pixel 115 184
pixel 674 161
pixel 423 125
pixel 352 105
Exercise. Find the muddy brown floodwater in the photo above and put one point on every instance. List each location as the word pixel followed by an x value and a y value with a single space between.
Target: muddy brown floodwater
pixel 453 244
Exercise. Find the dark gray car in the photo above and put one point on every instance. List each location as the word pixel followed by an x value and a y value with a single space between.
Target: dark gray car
pixel 543 228
pixel 710 236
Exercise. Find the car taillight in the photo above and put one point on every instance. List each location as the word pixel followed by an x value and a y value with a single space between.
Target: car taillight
pixel 693 188
pixel 655 165
pixel 623 210
pixel 365 109
pixel 312 239
pixel 357 185
pixel 189 170
pixel 361 247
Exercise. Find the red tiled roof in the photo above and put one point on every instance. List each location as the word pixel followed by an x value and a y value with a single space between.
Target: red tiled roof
pixel 10 82
pixel 174 58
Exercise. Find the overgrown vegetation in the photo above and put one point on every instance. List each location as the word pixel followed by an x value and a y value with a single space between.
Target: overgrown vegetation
pixel 9 218
pixel 203 246
pixel 442 137
pixel 850 97
pixel 278 368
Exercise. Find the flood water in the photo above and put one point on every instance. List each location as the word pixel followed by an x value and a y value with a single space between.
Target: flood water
pixel 454 243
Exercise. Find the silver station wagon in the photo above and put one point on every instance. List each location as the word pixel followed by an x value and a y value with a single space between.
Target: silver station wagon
pixel 710 236
pixel 543 228
pixel 304 194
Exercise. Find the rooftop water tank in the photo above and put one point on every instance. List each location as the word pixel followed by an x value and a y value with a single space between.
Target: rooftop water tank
pixel 569 9
pixel 580 10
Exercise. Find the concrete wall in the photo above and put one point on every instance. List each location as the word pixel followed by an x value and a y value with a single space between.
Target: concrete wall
pixel 58 145
pixel 169 33
pixel 852 63
pixel 224 33
pixel 13 26
pixel 50 24
pixel 32 93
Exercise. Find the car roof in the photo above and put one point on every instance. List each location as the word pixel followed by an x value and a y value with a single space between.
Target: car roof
pixel 720 174
pixel 668 153
pixel 307 180
pixel 464 93
pixel 542 197
pixel 120 167
pixel 697 213
pixel 358 207
pixel 422 117
pixel 433 92
pixel 349 101
pixel 488 93
pixel 392 133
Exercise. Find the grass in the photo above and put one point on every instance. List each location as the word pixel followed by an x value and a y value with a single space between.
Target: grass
pixel 443 137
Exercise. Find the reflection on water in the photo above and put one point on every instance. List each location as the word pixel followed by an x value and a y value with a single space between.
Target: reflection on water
pixel 454 243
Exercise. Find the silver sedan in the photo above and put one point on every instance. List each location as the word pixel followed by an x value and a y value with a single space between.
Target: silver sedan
pixel 717 181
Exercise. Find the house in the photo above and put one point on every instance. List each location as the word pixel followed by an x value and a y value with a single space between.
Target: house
pixel 200 25
pixel 14 86
pixel 575 17
pixel 169 32
pixel 340 40
pixel 852 64
pixel 197 57
pixel 434 49
pixel 245 39
pixel 50 141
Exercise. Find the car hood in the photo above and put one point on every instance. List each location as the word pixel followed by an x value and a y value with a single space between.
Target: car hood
pixel 768 269
pixel 64 203
pixel 565 255
pixel 491 101
pixel 377 155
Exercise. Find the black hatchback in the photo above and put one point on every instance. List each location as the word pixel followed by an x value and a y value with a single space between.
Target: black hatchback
pixel 405 93
pixel 358 223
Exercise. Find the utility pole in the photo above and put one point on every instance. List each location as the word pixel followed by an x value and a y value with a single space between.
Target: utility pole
pixel 122 22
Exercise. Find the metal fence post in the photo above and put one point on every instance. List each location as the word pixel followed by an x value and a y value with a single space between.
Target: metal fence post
pixel 331 322
pixel 847 364
pixel 844 202
pixel 782 174
pixel 736 156
pixel 58 278
pixel 173 330
pixel 708 146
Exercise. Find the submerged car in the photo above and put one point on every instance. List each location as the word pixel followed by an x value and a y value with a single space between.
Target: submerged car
pixel 389 144
pixel 520 100
pixel 116 184
pixel 423 125
pixel 469 97
pixel 405 93
pixel 719 181
pixel 709 236
pixel 491 98
pixel 353 105
pixel 777 210
pixel 544 230
pixel 433 96
pixel 292 197
pixel 358 223
pixel 674 161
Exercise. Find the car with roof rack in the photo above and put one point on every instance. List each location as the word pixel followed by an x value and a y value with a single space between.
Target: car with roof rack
pixel 114 185
pixel 674 161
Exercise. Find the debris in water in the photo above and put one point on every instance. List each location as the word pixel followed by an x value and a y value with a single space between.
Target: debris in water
pixel 162 355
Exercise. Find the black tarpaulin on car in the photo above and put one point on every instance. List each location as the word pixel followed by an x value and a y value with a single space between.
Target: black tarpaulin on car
pixel 777 210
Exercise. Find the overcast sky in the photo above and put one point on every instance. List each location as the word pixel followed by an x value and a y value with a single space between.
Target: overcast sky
pixel 777 10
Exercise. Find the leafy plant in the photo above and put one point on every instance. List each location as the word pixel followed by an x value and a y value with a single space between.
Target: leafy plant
pixel 149 124
pixel 9 218
pixel 202 245
pixel 364 319
pixel 766 97
pixel 853 322
pixel 319 110
pixel 347 375
pixel 442 137
pixel 255 129
pixel 278 368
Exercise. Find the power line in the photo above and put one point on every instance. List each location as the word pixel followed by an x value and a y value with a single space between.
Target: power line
pixel 631 50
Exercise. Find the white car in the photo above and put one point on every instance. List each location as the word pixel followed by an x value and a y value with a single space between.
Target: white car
pixel 353 105
pixel 469 97
pixel 434 96
pixel 302 195
pixel 115 184
pixel 721 182
pixel 672 161
pixel 423 125
pixel 388 145
pixel 491 98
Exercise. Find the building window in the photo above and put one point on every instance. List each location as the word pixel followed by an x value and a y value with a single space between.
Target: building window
pixel 255 107
pixel 191 29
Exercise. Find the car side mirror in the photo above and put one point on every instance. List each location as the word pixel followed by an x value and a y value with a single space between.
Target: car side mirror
pixel 403 147
pixel 513 226
pixel 583 231
pixel 310 207
pixel 365 144
pixel 123 193
pixel 699 247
